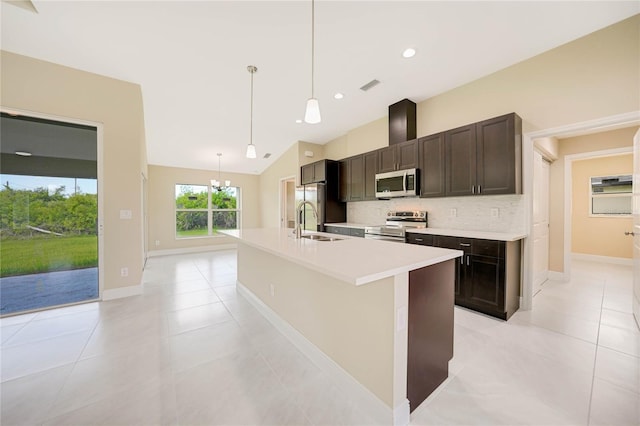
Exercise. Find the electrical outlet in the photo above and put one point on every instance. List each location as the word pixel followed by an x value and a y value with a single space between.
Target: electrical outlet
pixel 157 243
pixel 124 272
pixel 495 212
pixel 453 212
pixel 272 290
pixel 125 214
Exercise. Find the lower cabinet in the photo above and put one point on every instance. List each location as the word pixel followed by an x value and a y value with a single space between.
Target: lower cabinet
pixel 487 275
pixel 354 232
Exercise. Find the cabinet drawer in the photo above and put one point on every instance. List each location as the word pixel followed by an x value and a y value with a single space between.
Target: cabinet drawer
pixel 488 248
pixel 356 232
pixel 422 239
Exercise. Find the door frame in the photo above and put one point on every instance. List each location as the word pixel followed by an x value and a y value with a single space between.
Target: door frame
pixel 590 126
pixel 282 199
pixel 100 166
pixel 536 182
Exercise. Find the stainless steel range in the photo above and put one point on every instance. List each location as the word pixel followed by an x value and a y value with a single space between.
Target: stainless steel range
pixel 396 225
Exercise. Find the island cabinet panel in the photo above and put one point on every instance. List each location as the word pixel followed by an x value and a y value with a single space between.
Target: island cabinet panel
pixel 430 333
pixel 431 163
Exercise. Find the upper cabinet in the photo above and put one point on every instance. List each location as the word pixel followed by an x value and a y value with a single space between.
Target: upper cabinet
pixel 400 156
pixel 484 158
pixel 358 173
pixel 431 162
pixel 315 172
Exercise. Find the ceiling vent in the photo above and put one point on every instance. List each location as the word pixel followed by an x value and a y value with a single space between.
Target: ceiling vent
pixel 267 155
pixel 373 83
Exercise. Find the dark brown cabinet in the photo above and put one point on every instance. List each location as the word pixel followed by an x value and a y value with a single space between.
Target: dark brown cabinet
pixel 487 275
pixel 431 163
pixel 484 158
pixel 317 172
pixel 359 178
pixel 398 157
pixel 343 230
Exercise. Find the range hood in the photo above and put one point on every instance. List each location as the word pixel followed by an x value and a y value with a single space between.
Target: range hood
pixel 402 121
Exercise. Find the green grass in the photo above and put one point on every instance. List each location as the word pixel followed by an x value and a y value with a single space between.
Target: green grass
pixel 192 233
pixel 36 255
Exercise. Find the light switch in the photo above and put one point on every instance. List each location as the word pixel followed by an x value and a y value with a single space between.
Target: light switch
pixel 125 214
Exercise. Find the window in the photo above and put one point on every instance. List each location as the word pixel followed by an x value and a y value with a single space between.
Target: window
pixel 611 195
pixel 202 210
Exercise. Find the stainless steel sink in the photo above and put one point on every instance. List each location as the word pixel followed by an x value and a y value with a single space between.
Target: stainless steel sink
pixel 317 237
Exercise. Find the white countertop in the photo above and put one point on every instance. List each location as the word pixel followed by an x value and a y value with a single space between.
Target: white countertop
pixel 354 260
pixel 483 235
pixel 348 225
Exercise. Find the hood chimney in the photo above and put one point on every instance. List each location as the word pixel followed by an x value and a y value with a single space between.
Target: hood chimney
pixel 402 121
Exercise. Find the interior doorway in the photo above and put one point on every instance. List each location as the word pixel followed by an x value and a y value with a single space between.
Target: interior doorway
pixel 287 202
pixel 50 213
pixel 540 220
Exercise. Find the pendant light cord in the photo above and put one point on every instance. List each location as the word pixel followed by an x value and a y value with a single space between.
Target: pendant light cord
pixel 251 113
pixel 312 44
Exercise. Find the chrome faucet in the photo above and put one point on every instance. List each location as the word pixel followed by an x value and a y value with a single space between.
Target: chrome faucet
pixel 299 216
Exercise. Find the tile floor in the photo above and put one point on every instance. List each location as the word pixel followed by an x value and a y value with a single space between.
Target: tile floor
pixel 190 350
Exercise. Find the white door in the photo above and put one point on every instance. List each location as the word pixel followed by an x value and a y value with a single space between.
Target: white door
pixel 540 221
pixel 636 227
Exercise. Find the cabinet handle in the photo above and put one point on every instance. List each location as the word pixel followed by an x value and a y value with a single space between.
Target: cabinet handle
pixel 473 189
pixel 479 189
pixel 468 260
pixel 462 260
pixel 418 239
pixel 465 245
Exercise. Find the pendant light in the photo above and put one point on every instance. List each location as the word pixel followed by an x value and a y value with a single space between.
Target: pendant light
pixel 312 114
pixel 217 184
pixel 251 148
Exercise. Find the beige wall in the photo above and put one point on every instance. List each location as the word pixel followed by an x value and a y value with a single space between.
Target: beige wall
pixel 602 141
pixel 161 196
pixel 46 88
pixel 600 236
pixel 592 77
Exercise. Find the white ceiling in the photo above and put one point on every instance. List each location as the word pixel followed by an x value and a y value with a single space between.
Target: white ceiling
pixel 191 58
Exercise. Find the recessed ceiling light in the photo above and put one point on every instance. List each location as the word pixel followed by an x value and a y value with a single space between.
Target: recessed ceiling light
pixel 298 121
pixel 409 53
pixel 23 153
pixel 338 96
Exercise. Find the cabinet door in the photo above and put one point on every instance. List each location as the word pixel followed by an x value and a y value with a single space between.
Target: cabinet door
pixel 320 171
pixel 420 239
pixel 387 159
pixel 496 156
pixel 431 164
pixel 370 169
pixel 460 160
pixel 344 180
pixel 356 174
pixel 407 155
pixel 484 283
pixel 455 243
pixel 306 174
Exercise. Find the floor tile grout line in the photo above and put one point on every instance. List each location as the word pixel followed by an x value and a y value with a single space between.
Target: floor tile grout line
pixel 595 359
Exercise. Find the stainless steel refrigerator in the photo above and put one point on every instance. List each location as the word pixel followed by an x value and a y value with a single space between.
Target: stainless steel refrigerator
pixel 329 209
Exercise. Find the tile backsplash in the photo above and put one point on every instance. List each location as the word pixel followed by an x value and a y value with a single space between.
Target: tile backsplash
pixel 495 213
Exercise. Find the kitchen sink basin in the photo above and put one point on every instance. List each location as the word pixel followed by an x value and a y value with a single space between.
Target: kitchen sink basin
pixel 316 237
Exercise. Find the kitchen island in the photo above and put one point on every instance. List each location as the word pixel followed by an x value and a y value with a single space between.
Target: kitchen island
pixel 377 316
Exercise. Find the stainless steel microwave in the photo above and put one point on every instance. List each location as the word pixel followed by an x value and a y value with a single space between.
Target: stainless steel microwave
pixel 401 183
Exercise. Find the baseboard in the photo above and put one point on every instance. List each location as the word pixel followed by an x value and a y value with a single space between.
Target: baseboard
pixel 118 293
pixel 380 412
pixel 556 276
pixel 186 250
pixel 603 259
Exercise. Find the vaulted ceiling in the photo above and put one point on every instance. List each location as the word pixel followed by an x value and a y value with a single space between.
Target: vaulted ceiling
pixel 191 58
